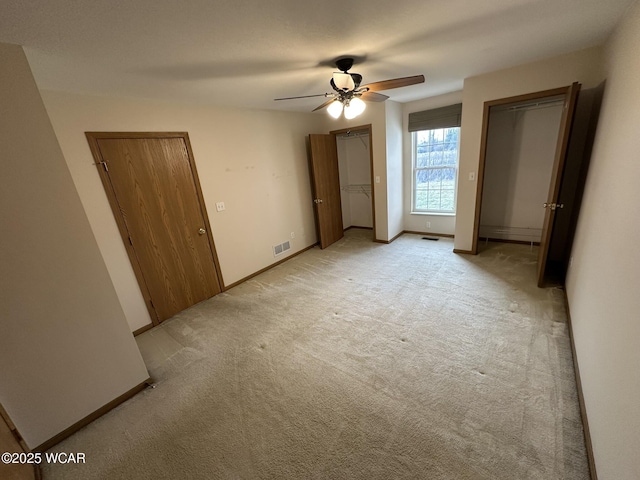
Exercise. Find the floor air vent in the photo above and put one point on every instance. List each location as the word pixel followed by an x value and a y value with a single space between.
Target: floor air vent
pixel 280 249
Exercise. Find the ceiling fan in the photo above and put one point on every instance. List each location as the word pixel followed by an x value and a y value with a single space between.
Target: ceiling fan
pixel 348 95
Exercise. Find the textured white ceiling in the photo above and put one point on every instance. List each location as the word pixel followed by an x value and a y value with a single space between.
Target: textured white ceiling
pixel 246 53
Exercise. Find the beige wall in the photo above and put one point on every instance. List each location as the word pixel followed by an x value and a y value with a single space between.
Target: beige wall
pixel 584 66
pixel 65 346
pixel 417 222
pixel 254 161
pixel 604 280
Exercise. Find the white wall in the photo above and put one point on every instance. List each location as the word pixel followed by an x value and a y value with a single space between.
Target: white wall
pixel 254 161
pixel 584 66
pixel 395 206
pixel 521 148
pixel 417 222
pixel 65 347
pixel 604 279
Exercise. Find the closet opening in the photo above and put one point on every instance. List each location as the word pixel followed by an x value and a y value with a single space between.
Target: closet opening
pixel 520 152
pixel 523 153
pixel 355 168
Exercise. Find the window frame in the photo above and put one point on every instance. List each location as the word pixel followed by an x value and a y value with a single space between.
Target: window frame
pixel 415 168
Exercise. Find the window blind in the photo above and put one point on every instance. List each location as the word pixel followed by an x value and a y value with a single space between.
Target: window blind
pixel 443 117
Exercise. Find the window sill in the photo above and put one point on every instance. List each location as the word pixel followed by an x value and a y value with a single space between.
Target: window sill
pixel 434 214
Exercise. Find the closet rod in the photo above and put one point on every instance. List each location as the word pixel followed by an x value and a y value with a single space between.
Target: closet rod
pixel 543 104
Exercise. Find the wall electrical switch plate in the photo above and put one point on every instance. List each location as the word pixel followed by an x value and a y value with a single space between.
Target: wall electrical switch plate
pixel 293 235
pixel 377 178
pixel 220 206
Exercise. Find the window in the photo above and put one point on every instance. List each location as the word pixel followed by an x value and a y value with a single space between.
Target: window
pixel 435 170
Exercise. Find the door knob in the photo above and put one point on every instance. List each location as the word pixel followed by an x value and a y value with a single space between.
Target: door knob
pixel 318 200
pixel 202 231
pixel 553 206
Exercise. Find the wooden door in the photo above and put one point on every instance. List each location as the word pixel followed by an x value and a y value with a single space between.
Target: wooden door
pixel 155 195
pixel 325 183
pixel 552 206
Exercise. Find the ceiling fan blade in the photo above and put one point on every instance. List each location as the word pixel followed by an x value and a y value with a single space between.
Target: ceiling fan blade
pixel 303 96
pixel 331 100
pixel 395 83
pixel 373 97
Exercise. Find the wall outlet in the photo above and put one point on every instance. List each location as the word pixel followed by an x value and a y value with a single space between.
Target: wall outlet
pixel 220 206
pixel 293 234
pixel 428 224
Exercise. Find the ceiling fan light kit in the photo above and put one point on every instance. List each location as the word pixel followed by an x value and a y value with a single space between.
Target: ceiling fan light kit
pixel 354 108
pixel 335 109
pixel 345 99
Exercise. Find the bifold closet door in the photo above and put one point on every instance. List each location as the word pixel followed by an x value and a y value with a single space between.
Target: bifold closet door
pixel 325 183
pixel 551 206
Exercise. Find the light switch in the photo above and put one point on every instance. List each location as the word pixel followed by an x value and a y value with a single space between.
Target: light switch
pixel 472 176
pixel 220 206
pixel 377 178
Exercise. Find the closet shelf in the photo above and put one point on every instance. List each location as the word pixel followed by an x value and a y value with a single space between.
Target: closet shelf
pixel 363 188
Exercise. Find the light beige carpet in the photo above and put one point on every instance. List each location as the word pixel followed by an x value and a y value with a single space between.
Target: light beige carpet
pixel 361 361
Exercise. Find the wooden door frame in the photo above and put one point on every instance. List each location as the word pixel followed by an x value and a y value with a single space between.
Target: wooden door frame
pixel 368 129
pixel 484 141
pixel 92 138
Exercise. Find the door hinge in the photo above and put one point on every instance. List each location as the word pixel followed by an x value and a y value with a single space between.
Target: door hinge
pixel 105 166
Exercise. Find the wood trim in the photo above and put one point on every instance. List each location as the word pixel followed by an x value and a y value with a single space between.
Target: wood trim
pixel 528 96
pixel 357 227
pixel 397 236
pixel 13 429
pixel 480 177
pixel 518 242
pixel 37 472
pixel 249 277
pixel 583 410
pixel 142 329
pixel 359 128
pixel 444 235
pixel 465 252
pixel 483 149
pixel 92 416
